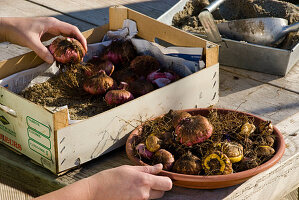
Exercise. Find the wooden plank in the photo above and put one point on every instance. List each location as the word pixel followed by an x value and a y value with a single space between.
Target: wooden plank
pixel 19 63
pixel 9 191
pixel 21 8
pixel 292 196
pixel 96 11
pixel 289 82
pixel 21 172
pixel 60 119
pixel 10 50
pixel 116 17
pixel 267 101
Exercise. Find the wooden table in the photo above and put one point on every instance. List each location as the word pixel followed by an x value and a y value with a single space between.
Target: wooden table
pixel 270 97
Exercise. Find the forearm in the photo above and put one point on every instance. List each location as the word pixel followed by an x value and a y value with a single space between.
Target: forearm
pixel 9 31
pixel 3 27
pixel 8 27
pixel 76 191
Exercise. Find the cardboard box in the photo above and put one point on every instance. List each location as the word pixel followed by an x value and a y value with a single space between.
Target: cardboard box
pixel 245 55
pixel 47 138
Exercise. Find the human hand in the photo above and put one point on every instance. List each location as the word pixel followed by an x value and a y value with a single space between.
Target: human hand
pixel 129 183
pixel 29 32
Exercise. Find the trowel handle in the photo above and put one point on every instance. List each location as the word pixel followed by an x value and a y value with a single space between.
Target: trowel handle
pixel 291 28
pixel 214 5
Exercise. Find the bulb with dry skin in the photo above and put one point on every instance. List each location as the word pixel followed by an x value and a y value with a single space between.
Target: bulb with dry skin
pixel 67 50
pixel 166 137
pixel 95 66
pixel 265 140
pixel 247 129
pixel 165 157
pixel 265 151
pixel 266 128
pixel 233 150
pixel 118 96
pixel 216 146
pixel 269 139
pixel 145 64
pixel 99 84
pixel 177 116
pixel 187 164
pixel 247 142
pixel 193 130
pixel 153 143
pixel 143 151
pixel 248 163
pixel 124 75
pixel 140 87
pixel 217 163
pixel 120 52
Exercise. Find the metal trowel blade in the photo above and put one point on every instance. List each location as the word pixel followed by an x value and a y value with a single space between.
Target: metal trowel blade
pixel 207 21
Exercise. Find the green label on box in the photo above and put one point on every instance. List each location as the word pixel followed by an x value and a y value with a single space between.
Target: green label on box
pixel 33 145
pixel 39 127
pixel 39 138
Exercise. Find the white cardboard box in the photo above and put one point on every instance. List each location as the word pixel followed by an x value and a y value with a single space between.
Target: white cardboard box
pixel 47 138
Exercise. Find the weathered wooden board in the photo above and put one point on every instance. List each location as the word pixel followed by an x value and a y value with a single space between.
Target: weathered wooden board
pixel 292 196
pixel 267 101
pixel 20 171
pixel 96 11
pixel 289 82
pixel 21 8
pixel 9 191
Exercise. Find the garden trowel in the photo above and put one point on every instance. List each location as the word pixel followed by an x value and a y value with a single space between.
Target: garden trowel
pixel 207 21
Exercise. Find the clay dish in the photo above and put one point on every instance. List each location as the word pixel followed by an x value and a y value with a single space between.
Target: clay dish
pixel 216 181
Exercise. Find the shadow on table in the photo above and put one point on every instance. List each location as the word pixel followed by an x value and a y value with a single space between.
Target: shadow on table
pixel 234 80
pixel 8 190
pixel 99 16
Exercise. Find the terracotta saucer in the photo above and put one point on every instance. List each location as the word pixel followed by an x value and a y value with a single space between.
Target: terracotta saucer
pixel 217 181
